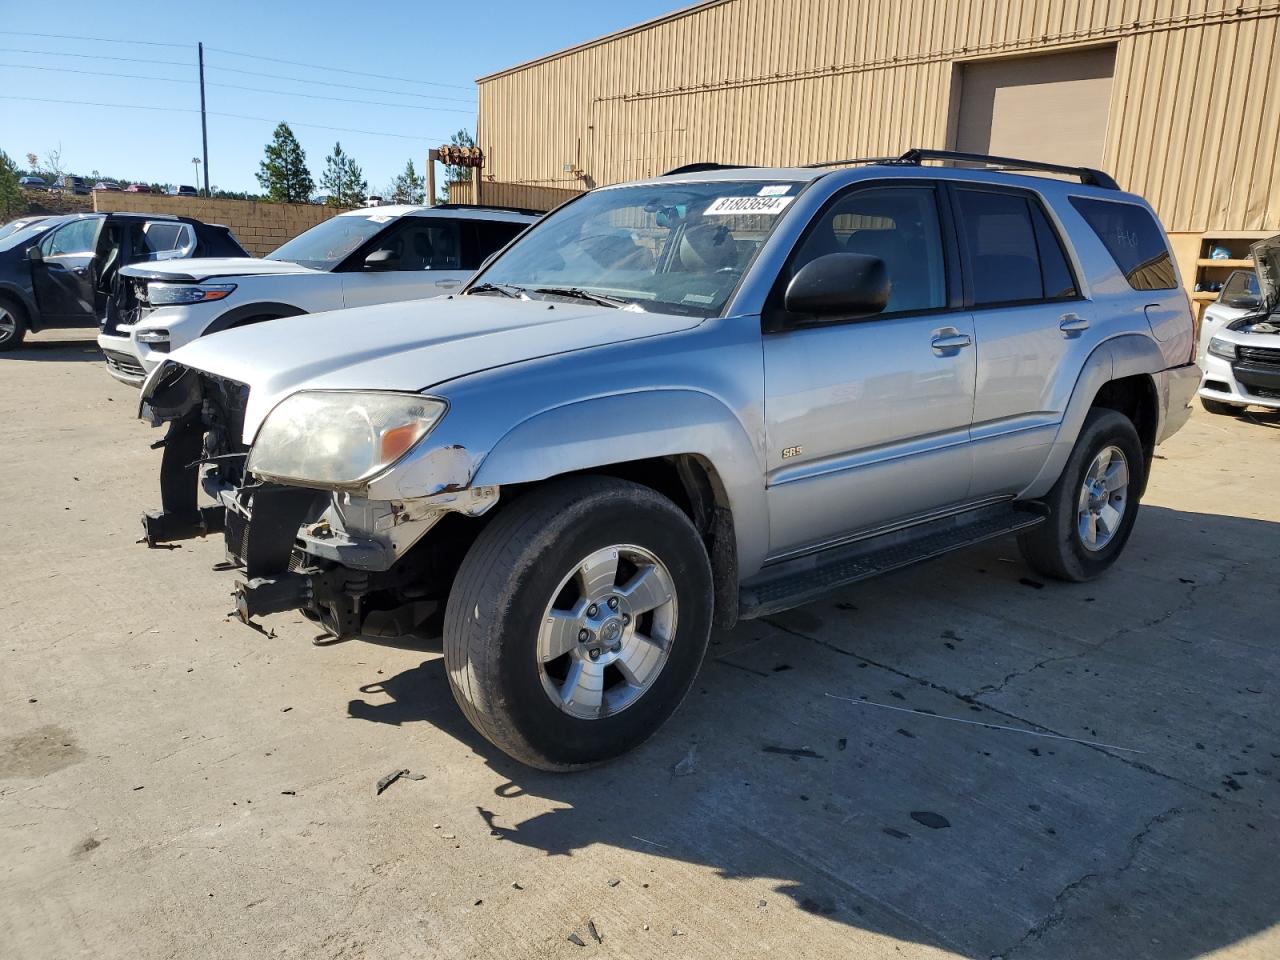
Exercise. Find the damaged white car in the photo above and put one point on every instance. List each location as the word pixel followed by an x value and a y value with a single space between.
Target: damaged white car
pixel 1240 339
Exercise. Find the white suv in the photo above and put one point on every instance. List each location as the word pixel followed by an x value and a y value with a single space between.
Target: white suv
pixel 355 259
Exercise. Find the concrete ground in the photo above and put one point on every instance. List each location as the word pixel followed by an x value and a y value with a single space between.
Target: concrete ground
pixel 881 774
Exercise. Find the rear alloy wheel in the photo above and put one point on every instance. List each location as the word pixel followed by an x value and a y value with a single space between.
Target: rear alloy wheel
pixel 1093 506
pixel 577 621
pixel 13 325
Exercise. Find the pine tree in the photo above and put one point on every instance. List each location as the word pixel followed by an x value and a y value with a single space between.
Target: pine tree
pixel 11 198
pixel 343 179
pixel 408 187
pixel 284 174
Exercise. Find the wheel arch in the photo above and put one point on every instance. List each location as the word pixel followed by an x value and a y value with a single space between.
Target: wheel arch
pixel 252 313
pixel 692 448
pixel 1120 375
pixel 18 297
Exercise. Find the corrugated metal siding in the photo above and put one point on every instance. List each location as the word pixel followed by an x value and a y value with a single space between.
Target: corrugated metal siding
pixel 793 81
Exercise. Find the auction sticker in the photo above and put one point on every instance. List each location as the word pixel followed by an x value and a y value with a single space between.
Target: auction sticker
pixel 731 206
pixel 775 190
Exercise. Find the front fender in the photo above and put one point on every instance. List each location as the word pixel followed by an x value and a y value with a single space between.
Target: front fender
pixel 633 426
pixel 1123 356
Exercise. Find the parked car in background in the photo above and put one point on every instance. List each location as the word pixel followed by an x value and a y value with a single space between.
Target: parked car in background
pixel 137 188
pixel 184 191
pixel 107 186
pixel 13 226
pixel 38 184
pixel 712 395
pixel 354 259
pixel 1240 337
pixel 78 186
pixel 62 271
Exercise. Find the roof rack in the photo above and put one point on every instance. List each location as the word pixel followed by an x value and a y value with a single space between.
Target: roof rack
pixel 527 211
pixel 702 167
pixel 915 157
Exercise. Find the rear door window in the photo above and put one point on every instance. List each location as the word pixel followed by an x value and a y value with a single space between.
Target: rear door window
pixel 1012 252
pixel 1134 239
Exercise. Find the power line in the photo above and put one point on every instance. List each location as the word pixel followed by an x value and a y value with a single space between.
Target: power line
pixel 63 36
pixel 234 86
pixel 99 56
pixel 342 86
pixel 333 69
pixel 212 113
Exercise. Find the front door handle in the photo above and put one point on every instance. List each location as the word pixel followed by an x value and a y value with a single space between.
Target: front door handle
pixel 950 340
pixel 1073 323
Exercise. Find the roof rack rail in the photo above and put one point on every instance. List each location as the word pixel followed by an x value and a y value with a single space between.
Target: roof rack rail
pixel 916 156
pixel 527 211
pixel 701 167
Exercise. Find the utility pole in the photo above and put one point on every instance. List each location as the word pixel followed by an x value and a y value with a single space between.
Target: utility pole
pixel 204 127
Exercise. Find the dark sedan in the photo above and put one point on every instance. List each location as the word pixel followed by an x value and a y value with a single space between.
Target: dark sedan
pixel 62 271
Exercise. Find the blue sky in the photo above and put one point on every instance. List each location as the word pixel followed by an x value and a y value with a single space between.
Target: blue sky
pixel 399 42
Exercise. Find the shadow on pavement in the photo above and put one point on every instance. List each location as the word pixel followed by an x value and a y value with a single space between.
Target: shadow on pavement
pixel 822 752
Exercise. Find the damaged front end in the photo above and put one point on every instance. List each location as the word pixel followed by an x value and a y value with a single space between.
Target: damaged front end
pixel 354 565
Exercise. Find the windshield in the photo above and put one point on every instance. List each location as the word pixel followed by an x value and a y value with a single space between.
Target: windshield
pixel 327 244
pixel 22 235
pixel 670 248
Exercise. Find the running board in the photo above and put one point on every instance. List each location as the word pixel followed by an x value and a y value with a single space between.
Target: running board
pixel 794 582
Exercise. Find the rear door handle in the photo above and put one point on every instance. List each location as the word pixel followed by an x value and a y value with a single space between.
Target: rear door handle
pixel 1073 323
pixel 950 341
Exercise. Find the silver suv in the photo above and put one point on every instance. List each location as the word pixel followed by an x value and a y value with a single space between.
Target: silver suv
pixel 708 396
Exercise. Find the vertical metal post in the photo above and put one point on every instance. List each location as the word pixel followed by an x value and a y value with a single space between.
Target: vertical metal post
pixel 204 128
pixel 432 157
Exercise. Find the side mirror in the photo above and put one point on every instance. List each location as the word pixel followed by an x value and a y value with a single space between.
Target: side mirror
pixel 839 285
pixel 35 254
pixel 382 260
pixel 1245 301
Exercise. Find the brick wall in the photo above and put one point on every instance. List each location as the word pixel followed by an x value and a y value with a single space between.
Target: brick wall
pixel 260 227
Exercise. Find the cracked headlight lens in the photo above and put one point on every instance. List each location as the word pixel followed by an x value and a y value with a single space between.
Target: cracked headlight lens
pixel 336 438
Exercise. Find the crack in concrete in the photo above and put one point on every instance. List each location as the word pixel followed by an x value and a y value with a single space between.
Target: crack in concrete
pixel 972 699
pixel 1187 604
pixel 1058 912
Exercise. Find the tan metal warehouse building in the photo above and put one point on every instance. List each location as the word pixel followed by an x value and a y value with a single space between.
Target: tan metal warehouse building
pixel 1167 95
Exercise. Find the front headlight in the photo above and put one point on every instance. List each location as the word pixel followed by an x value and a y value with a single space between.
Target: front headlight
pixel 1222 348
pixel 167 294
pixel 338 439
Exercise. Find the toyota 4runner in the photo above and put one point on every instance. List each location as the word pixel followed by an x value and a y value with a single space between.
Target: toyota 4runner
pixel 674 403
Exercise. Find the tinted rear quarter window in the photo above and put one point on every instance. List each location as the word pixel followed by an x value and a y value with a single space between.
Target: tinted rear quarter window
pixel 1134 240
pixel 1013 253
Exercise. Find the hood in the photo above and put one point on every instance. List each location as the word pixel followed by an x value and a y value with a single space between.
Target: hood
pixel 408 346
pixel 1266 264
pixel 206 268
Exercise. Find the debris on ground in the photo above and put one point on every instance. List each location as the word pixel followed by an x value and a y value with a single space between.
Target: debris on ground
pixel 614 882
pixel 926 818
pixel 394 775
pixel 796 752
pixel 574 938
pixel 1028 582
pixel 595 934
pixel 515 885
pixel 688 765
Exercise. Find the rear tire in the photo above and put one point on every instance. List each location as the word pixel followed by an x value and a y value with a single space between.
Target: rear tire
pixel 1093 506
pixel 13 324
pixel 1218 408
pixel 536 671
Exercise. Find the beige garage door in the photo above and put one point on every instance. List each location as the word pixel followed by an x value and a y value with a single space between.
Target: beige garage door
pixel 1051 108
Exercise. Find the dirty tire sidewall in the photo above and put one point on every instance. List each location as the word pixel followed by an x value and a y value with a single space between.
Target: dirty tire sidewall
pixel 1218 408
pixel 1054 548
pixel 503 587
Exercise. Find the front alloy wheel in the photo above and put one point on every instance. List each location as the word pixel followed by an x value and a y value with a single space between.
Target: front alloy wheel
pixel 1103 495
pixel 607 631
pixel 577 621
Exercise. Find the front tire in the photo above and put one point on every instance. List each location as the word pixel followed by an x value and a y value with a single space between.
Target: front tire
pixel 13 325
pixel 1218 408
pixel 1093 506
pixel 578 621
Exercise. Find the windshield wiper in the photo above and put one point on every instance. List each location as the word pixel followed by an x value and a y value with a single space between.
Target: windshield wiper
pixel 577 293
pixel 506 289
